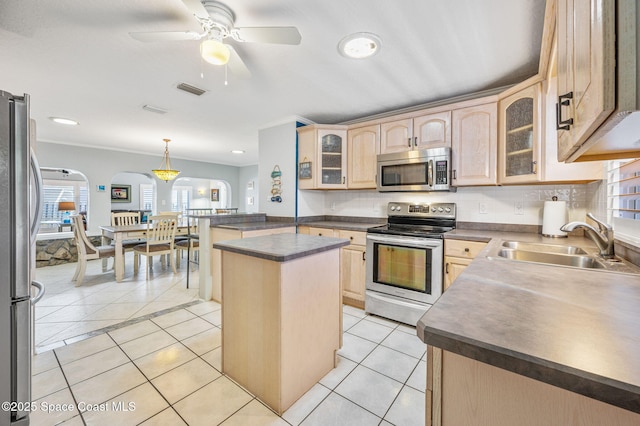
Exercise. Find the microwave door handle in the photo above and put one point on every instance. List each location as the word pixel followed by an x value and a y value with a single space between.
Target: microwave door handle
pixel 430 173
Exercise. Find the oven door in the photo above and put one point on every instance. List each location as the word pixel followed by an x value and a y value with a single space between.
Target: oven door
pixel 406 267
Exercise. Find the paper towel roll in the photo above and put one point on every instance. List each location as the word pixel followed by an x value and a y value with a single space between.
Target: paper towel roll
pixel 553 217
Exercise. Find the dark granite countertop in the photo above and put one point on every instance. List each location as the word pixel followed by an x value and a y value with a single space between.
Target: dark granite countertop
pixel 255 226
pixel 281 247
pixel 572 328
pixel 343 225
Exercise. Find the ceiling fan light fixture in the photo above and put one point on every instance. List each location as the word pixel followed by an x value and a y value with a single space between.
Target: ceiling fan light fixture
pixel 167 173
pixel 214 52
pixel 359 45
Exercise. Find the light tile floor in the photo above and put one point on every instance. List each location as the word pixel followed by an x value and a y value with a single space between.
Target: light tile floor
pixel 165 368
pixel 66 311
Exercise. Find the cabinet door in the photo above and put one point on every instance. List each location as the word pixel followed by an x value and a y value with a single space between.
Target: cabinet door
pixel 474 145
pixel 586 68
pixel 321 232
pixel 453 266
pixel 332 149
pixel 432 131
pixel 519 147
pixel 352 273
pixel 395 136
pixel 363 145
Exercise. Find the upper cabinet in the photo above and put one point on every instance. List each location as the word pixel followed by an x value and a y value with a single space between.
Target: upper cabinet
pixel 422 132
pixel 363 146
pixel 598 103
pixel 519 147
pixel 322 157
pixel 474 145
pixel 586 70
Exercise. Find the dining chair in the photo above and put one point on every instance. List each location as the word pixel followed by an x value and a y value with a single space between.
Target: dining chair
pixel 191 244
pixel 161 231
pixel 87 251
pixel 125 218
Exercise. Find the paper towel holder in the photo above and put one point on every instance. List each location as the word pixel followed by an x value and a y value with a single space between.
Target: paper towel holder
pixel 554 217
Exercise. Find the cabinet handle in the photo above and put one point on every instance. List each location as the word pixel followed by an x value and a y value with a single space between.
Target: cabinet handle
pixel 409 142
pixel 534 167
pixel 343 179
pixel 446 268
pixel 455 174
pixel 364 257
pixel 415 141
pixel 466 249
pixel 563 100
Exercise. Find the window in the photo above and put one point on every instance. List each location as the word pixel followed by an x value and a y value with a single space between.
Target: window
pixel 146 197
pixel 623 190
pixel 55 191
pixel 180 198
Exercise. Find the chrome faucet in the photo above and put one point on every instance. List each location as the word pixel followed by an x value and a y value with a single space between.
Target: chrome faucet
pixel 603 236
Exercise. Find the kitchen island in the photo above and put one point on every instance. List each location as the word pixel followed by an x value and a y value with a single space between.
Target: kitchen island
pixel 524 343
pixel 281 313
pixel 220 227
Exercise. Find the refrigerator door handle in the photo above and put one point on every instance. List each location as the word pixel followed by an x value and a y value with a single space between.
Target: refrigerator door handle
pixel 38 296
pixel 39 193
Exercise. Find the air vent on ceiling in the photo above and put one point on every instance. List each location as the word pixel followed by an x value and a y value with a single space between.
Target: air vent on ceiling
pixel 191 89
pixel 157 110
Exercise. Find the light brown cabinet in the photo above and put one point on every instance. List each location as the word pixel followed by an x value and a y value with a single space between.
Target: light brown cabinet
pixel 474 145
pixel 586 70
pixel 519 148
pixel 352 262
pixel 325 148
pixel 458 254
pixel 363 146
pixel 421 132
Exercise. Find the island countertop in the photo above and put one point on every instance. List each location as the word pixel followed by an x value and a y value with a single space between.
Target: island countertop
pixel 281 247
pixel 572 328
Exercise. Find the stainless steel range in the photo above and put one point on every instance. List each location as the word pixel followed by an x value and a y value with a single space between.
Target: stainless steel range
pixel 404 260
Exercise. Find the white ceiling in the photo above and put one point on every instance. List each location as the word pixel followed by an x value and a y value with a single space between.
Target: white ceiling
pixel 76 60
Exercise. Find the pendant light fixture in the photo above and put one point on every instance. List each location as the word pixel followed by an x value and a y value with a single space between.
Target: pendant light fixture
pixel 166 174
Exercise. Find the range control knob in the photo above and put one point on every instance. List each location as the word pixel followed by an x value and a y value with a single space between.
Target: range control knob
pixel 447 209
pixel 433 209
pixel 440 209
pixel 394 208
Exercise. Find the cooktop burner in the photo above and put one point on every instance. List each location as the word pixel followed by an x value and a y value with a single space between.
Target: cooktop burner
pixel 419 220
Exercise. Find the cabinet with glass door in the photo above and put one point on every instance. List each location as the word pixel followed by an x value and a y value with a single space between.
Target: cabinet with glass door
pixel 519 146
pixel 322 152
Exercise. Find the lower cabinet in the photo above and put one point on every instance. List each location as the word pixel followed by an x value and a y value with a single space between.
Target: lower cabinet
pixel 458 254
pixel 463 391
pixel 352 262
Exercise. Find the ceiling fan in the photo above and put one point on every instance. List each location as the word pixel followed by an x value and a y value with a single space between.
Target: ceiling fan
pixel 217 21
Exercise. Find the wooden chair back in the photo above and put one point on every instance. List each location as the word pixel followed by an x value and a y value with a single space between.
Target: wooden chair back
pixel 86 250
pixel 161 229
pixel 125 218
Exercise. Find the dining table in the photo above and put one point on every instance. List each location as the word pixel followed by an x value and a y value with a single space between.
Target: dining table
pixel 118 234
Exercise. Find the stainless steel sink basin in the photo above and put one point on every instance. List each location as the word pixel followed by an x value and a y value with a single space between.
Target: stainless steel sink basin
pixel 543 248
pixel 577 261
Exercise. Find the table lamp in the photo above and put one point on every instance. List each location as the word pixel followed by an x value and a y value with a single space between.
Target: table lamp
pixel 66 206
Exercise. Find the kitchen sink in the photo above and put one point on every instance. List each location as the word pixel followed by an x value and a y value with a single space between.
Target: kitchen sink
pixel 562 259
pixel 544 248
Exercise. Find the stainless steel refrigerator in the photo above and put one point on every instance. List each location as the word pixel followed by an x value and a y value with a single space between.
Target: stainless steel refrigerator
pixel 20 201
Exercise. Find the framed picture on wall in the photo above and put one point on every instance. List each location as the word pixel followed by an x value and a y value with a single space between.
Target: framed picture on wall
pixel 215 195
pixel 120 193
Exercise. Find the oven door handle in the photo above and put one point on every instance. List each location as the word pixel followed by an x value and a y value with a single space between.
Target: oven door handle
pixel 411 242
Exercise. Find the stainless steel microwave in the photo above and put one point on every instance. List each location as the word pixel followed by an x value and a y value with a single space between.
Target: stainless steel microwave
pixel 420 170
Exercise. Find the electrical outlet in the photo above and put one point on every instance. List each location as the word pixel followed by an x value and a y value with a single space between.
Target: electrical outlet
pixel 482 208
pixel 518 207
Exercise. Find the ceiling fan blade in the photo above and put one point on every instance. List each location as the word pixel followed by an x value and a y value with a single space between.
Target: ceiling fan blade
pixel 166 36
pixel 236 65
pixel 276 35
pixel 196 7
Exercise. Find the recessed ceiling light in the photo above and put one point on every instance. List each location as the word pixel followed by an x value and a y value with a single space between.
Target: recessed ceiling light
pixel 66 121
pixel 237 151
pixel 359 45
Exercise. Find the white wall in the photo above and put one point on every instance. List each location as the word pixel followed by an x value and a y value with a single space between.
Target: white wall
pixel 249 187
pixel 277 146
pixel 99 166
